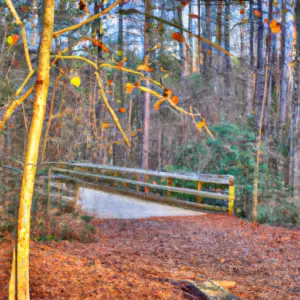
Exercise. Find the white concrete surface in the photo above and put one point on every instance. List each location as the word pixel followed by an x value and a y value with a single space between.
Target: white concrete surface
pixel 112 206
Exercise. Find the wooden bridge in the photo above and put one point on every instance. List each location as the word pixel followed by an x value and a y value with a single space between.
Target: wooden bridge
pixel 165 187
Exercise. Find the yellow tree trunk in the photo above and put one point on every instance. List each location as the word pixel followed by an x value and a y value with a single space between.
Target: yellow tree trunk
pixel 42 84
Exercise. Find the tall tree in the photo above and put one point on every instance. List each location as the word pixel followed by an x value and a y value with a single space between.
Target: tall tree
pixel 294 155
pixel 200 59
pixel 29 172
pixel 227 34
pixel 145 150
pixel 259 91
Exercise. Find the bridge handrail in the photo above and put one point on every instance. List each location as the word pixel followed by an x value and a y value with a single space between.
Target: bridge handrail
pixel 57 167
pixel 205 178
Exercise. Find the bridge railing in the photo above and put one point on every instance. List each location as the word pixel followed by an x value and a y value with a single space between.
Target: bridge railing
pixel 144 178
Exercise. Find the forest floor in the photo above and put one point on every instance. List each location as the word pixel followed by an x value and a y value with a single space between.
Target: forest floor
pixel 137 259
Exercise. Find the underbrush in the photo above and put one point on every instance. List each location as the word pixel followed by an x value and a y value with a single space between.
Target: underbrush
pixel 65 223
pixel 283 213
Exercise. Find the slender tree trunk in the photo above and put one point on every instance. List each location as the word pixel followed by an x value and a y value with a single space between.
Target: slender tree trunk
pixel 181 45
pixel 294 155
pixel 200 58
pixel 283 80
pixel 189 50
pixel 259 136
pixel 29 172
pixel 260 67
pixel 251 74
pixel 208 53
pixel 145 151
pixel 219 23
pixel 272 59
pixel 227 35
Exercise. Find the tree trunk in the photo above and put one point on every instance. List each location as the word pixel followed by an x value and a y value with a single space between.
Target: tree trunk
pixel 260 67
pixel 283 77
pixel 200 58
pixel 294 155
pixel 29 172
pixel 208 53
pixel 259 136
pixel 145 151
pixel 227 35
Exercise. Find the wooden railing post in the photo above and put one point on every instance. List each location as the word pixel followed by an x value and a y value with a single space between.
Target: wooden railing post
pixel 49 202
pixel 169 183
pixel 199 187
pixel 58 194
pixel 116 175
pixel 231 197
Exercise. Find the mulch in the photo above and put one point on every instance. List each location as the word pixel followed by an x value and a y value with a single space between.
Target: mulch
pixel 141 259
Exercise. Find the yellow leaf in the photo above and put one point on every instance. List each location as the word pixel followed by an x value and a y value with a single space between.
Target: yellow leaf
pixel 129 87
pixel 76 81
pixel 119 52
pixel 105 125
pixel 9 40
pixel 201 124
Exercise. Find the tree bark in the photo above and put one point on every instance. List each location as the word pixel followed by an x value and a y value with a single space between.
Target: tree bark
pixel 145 151
pixel 259 93
pixel 29 172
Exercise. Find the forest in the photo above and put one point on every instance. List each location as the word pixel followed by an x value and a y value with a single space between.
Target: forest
pixel 193 104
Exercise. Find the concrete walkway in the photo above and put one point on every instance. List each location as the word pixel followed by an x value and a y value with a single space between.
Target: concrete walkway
pixel 112 206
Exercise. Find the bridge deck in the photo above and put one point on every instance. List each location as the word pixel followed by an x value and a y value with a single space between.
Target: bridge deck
pixel 114 206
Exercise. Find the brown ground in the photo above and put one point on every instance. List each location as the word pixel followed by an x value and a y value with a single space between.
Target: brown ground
pixel 132 259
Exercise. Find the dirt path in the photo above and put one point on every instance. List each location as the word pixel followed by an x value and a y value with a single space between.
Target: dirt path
pixel 133 258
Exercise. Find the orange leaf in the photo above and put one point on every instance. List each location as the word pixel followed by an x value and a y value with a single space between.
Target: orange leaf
pixel 257 13
pixel 185 3
pixel 144 68
pixel 159 103
pixel 193 16
pixel 122 109
pixel 266 21
pixel 276 29
pixel 273 24
pixel 133 134
pixel 242 11
pixel 99 44
pixel 209 52
pixel 24 8
pixel 110 82
pixel 175 100
pixel 177 37
pixel 167 93
pixel 82 6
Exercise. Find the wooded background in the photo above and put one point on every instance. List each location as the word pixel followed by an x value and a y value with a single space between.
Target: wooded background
pixel 261 78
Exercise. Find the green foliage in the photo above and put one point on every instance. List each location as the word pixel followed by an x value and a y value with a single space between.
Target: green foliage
pixel 86 218
pixel 284 213
pixel 233 152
